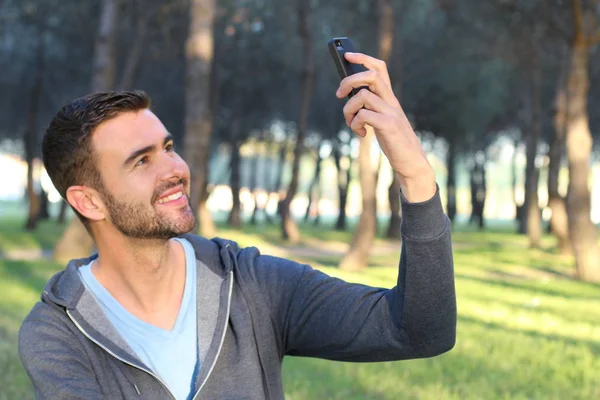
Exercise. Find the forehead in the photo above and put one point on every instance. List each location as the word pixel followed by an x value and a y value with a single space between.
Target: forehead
pixel 127 132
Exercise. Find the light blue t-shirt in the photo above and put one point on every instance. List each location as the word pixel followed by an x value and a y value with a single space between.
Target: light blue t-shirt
pixel 172 355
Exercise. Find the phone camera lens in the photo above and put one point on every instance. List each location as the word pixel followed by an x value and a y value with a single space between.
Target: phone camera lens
pixel 338 43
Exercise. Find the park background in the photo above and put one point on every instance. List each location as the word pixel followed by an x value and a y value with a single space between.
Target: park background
pixel 502 93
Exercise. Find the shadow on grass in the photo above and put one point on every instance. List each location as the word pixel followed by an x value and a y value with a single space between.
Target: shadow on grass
pixel 557 274
pixel 592 345
pixel 533 273
pixel 530 286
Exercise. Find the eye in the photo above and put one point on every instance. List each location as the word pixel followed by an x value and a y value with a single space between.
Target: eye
pixel 170 147
pixel 142 161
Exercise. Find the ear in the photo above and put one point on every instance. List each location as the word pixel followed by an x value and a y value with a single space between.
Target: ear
pixel 87 202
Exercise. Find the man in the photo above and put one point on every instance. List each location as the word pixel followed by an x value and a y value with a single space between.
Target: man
pixel 160 313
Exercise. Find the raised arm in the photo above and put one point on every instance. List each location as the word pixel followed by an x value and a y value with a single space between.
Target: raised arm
pixel 320 316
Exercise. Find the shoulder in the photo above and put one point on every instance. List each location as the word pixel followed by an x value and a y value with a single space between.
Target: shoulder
pixel 44 323
pixel 43 313
pixel 228 255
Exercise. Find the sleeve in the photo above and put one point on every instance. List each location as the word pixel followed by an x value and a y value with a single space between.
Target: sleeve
pixel 56 366
pixel 326 317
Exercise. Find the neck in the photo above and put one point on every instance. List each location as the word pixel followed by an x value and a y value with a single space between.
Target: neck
pixel 146 276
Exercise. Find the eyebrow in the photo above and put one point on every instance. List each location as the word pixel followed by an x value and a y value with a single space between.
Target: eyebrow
pixel 146 149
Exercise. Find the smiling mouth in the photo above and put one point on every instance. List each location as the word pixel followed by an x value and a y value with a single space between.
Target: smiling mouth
pixel 171 197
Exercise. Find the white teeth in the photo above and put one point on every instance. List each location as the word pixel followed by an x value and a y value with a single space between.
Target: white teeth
pixel 172 197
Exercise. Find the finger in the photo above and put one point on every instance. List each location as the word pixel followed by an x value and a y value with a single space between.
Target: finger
pixel 368 117
pixel 371 63
pixel 368 100
pixel 372 80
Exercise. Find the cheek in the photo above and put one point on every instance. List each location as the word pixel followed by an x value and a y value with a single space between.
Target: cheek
pixel 138 187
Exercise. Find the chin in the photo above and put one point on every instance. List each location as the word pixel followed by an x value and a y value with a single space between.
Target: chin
pixel 186 224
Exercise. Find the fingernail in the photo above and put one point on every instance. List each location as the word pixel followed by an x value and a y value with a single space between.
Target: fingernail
pixel 349 53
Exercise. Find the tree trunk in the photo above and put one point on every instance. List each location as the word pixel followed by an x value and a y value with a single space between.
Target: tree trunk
pixel 582 231
pixel 364 234
pixel 44 206
pixel 252 185
pixel 558 220
pixel 62 215
pixel 395 224
pixel 31 137
pixel 357 256
pixel 278 183
pixel 198 116
pixel 33 198
pixel 478 193
pixel 519 208
pixel 134 53
pixel 235 134
pixel 533 132
pixel 76 241
pixel 451 181
pixel 103 76
pixel 289 228
pixel 343 181
pixel 386 43
pixel 313 192
pixel 235 216
pixel 385 16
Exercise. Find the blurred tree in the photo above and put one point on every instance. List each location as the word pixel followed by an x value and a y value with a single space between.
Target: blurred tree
pixel 532 128
pixel 582 231
pixel 238 117
pixel 198 116
pixel 314 189
pixel 289 228
pixel 357 256
pixel 395 17
pixel 31 132
pixel 559 220
pixel 344 162
pixel 478 190
pixel 76 241
pixel 36 19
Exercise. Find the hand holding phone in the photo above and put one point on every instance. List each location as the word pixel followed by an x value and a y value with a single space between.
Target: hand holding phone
pixel 378 108
pixel 338 47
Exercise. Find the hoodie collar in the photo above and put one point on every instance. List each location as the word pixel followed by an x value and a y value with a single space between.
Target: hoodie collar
pixel 65 288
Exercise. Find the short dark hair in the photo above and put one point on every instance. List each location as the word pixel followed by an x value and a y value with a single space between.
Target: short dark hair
pixel 66 148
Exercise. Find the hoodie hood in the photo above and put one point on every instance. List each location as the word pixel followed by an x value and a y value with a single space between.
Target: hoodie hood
pixel 65 287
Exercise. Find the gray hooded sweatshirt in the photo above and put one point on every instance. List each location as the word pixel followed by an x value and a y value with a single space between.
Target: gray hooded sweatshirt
pixel 252 311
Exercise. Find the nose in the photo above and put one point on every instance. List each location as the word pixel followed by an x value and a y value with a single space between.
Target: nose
pixel 173 167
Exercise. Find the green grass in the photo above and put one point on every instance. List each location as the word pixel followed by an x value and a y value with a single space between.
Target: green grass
pixel 13 236
pixel 20 284
pixel 526 329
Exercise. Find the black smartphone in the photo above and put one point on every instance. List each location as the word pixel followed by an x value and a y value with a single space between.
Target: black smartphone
pixel 337 48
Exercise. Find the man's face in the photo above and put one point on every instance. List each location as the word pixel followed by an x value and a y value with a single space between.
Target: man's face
pixel 146 183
